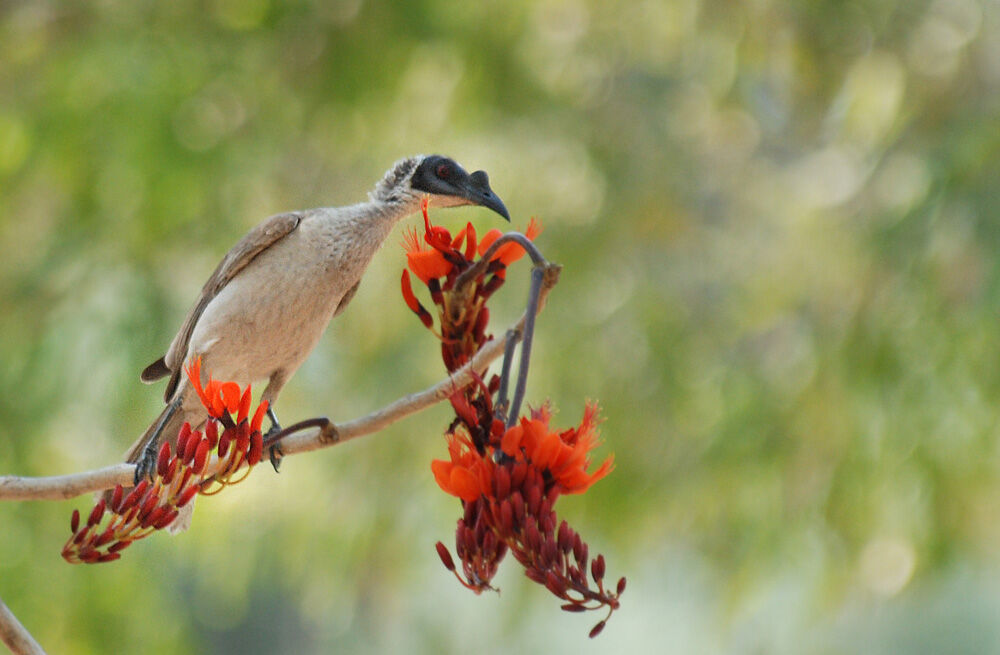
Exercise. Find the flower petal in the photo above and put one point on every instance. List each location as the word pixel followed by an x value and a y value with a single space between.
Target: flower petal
pixel 428 265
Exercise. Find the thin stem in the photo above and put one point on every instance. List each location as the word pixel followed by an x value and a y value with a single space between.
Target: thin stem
pixel 508 356
pixel 534 296
pixel 319 422
pixel 15 636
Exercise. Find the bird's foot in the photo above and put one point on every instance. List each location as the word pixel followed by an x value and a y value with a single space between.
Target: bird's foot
pixel 146 466
pixel 274 452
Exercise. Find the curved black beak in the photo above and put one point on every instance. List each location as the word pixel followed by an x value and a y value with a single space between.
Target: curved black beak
pixel 477 190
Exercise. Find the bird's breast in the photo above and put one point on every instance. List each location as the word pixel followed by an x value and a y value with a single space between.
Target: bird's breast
pixel 272 314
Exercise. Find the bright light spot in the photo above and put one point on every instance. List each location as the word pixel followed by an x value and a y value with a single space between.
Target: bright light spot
pixel 872 94
pixel 825 178
pixel 887 565
pixel 949 26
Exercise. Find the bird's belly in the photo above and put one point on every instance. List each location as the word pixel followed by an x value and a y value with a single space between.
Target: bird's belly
pixel 265 320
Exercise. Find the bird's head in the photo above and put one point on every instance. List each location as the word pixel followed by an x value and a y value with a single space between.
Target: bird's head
pixel 441 178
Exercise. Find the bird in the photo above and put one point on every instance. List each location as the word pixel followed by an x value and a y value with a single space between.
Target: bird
pixel 271 297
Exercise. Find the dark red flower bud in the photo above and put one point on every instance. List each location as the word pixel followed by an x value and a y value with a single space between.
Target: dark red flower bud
pixel 163 459
pixel 554 584
pixel 550 551
pixel 597 568
pixel 185 478
pixel 506 517
pixel 116 498
pixel 148 504
pixel 74 522
pixel 502 482
pixel 532 538
pixel 565 537
pixel 89 555
pixel 109 557
pixel 546 520
pixel 186 497
pixel 119 545
pixel 81 535
pixel 469 515
pixel 445 556
pixel 224 440
pixel 168 477
pixel 182 438
pixel 596 630
pixel 573 607
pixel 518 474
pixel 154 517
pixel 134 497
pixel 621 586
pixel 517 504
pixel 492 285
pixel 535 575
pixel 212 431
pixel 96 514
pixel 243 437
pixel 534 499
pixel 191 447
pixel 578 548
pixel 104 537
pixel 256 448
pixel 489 545
pixel 167 519
pixel 200 457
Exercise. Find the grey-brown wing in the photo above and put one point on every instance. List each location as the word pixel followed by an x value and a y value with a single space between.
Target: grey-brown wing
pixel 255 242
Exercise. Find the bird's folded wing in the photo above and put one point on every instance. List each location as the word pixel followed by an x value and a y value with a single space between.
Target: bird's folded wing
pixel 245 251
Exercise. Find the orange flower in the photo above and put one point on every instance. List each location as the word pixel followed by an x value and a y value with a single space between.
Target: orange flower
pixel 564 455
pixel 426 263
pixel 218 397
pixel 510 252
pixel 467 475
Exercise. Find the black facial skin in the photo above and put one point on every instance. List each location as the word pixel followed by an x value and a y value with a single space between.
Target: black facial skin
pixel 442 176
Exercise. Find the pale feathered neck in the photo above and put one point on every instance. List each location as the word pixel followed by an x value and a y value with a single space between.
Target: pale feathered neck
pixel 394 187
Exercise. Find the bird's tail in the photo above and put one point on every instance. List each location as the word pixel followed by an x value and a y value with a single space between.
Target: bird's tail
pixel 171 426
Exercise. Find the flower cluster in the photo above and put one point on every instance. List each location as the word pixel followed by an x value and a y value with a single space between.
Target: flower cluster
pixel 203 463
pixel 461 300
pixel 507 474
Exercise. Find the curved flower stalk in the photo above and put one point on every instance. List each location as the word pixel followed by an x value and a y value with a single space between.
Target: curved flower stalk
pixel 203 463
pixel 507 478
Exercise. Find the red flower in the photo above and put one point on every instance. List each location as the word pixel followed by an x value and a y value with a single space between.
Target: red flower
pixel 218 397
pixel 426 263
pixel 509 252
pixel 564 456
pixel 467 474
pixel 200 463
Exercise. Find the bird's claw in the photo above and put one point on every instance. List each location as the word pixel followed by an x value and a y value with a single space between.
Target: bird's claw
pixel 276 454
pixel 146 465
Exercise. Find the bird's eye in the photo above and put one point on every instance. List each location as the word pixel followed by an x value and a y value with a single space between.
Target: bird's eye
pixel 443 171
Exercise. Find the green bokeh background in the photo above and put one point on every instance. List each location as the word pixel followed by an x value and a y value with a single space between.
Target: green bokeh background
pixel 779 232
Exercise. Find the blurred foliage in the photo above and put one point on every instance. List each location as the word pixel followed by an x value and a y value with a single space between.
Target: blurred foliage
pixel 781 281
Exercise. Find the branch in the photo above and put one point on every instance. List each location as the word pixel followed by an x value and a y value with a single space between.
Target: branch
pixel 15 636
pixel 62 487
